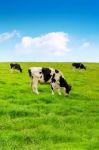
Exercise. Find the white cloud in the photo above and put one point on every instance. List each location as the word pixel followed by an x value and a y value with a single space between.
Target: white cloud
pixel 8 35
pixel 52 43
pixel 86 44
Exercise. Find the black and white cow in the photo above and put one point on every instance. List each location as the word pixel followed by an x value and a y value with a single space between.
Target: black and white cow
pixel 78 66
pixel 15 67
pixel 48 75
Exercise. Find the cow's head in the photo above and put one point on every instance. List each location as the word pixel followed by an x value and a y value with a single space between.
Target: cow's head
pixel 64 84
pixel 68 89
pixel 85 67
pixel 20 69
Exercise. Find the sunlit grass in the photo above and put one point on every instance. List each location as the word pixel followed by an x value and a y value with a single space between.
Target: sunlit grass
pixel 45 122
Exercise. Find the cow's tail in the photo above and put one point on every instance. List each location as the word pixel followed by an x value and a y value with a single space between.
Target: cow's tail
pixel 30 74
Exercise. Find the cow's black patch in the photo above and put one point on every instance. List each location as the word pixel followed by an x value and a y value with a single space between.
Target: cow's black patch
pixel 56 71
pixel 62 82
pixel 82 66
pixel 53 78
pixel 46 73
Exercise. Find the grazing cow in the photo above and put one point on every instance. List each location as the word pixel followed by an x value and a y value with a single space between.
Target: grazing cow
pixel 48 75
pixel 16 67
pixel 78 66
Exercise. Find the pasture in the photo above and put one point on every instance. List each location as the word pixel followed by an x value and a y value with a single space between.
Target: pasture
pixel 45 122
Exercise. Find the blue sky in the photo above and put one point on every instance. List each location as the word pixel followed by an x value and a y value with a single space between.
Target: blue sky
pixel 49 30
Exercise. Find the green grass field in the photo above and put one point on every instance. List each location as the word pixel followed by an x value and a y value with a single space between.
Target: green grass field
pixel 45 122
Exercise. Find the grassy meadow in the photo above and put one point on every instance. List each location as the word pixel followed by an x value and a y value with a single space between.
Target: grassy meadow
pixel 45 122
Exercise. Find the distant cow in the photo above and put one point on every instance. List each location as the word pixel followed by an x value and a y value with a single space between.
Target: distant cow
pixel 48 75
pixel 15 67
pixel 78 66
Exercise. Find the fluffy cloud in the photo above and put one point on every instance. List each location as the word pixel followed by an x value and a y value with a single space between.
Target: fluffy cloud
pixel 9 35
pixel 52 43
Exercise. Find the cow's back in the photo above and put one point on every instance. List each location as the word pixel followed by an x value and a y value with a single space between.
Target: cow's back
pixel 44 74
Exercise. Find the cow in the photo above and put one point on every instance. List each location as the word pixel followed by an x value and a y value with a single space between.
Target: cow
pixel 78 66
pixel 15 67
pixel 50 76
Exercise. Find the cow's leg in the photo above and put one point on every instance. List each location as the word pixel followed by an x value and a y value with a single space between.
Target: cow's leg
pixel 59 91
pixel 18 71
pixel 52 90
pixel 11 70
pixel 52 87
pixel 34 86
pixel 81 70
pixel 36 91
pixel 74 69
pixel 57 86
